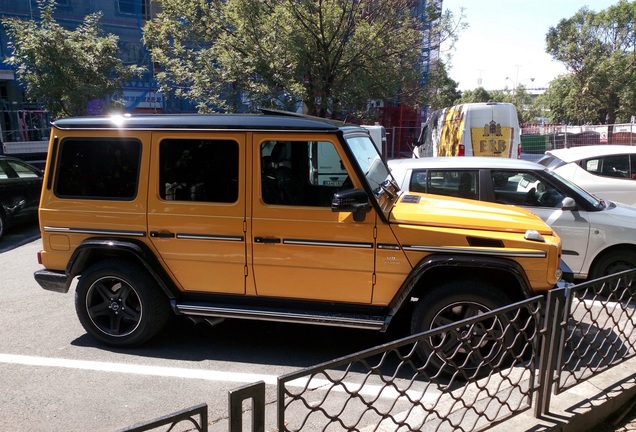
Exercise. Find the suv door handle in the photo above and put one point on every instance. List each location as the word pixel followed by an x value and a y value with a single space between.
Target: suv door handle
pixel 266 240
pixel 161 234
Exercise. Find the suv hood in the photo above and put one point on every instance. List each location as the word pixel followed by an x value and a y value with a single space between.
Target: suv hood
pixel 436 210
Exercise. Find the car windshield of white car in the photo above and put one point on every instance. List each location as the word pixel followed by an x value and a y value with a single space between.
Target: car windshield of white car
pixel 582 193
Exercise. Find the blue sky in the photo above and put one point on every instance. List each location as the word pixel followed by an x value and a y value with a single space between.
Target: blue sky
pixel 506 39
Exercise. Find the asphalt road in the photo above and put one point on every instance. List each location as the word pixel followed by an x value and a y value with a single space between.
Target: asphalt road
pixel 56 378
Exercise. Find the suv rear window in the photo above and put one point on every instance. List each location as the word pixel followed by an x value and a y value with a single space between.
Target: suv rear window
pixel 98 168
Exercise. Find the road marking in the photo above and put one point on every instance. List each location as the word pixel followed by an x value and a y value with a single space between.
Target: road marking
pixel 162 371
pixel 210 375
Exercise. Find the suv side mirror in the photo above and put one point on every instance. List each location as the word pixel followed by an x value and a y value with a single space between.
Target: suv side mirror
pixel 351 200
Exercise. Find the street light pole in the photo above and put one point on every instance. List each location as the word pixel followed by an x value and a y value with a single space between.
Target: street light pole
pixel 511 81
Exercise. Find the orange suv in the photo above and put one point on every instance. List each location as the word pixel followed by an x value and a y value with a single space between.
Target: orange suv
pixel 267 217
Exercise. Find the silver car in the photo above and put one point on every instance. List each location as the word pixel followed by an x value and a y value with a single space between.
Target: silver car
pixel 598 237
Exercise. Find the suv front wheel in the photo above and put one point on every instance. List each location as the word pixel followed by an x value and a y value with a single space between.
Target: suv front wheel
pixel 120 304
pixel 471 350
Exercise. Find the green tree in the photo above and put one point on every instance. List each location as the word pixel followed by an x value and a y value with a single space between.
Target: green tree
pixel 519 97
pixel 65 71
pixel 558 100
pixel 479 94
pixel 333 55
pixel 598 50
pixel 527 111
pixel 440 90
pixel 444 90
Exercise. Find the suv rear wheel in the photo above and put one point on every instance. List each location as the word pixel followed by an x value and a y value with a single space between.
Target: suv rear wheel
pixel 119 304
pixel 471 350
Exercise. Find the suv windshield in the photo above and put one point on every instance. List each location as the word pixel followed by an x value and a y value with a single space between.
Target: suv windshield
pixel 370 161
pixel 385 188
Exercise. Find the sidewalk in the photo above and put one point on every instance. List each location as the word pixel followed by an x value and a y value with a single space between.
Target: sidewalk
pixel 605 403
pixel 623 420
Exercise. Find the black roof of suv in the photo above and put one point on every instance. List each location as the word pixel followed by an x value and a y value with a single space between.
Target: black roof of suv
pixel 201 121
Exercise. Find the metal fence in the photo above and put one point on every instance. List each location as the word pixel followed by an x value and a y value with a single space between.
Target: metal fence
pixel 180 421
pixel 539 138
pixel 479 372
pixel 400 142
pixel 535 138
pixel 590 328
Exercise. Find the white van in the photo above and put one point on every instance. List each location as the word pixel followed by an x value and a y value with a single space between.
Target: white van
pixel 471 129
pixel 378 136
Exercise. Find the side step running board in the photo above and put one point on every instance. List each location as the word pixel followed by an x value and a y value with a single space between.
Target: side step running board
pixel 306 317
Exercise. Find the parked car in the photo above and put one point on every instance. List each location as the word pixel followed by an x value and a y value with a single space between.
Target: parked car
pixel 20 187
pixel 272 217
pixel 608 171
pixel 599 236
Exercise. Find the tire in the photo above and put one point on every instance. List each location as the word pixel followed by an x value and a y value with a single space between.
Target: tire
pixel 610 263
pixel 613 262
pixel 2 225
pixel 119 304
pixel 474 356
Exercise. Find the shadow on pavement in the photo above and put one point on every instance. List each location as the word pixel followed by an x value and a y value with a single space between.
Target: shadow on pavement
pixel 19 236
pixel 256 342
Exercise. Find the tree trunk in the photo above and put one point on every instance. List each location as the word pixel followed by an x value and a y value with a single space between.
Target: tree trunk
pixel 611 116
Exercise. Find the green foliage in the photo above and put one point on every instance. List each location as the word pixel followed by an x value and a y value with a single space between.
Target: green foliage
pixel 527 112
pixel 440 90
pixel 479 94
pixel 598 50
pixel 445 91
pixel 65 70
pixel 182 39
pixel 334 55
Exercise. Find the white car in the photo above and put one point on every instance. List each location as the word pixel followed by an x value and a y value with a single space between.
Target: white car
pixel 607 171
pixel 598 237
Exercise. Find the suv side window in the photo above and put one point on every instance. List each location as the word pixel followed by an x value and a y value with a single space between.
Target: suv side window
pixel 300 173
pixel 455 183
pixel 199 170
pixel 103 169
